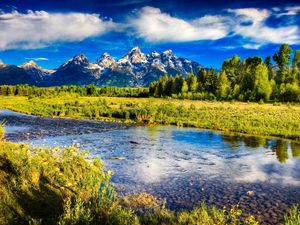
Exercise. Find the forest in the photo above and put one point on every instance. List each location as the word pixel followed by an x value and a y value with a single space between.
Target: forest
pixel 252 79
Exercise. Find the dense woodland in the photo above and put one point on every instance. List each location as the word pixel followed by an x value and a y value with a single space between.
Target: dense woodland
pixel 252 79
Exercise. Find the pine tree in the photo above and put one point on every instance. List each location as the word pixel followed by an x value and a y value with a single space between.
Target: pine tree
pixel 177 84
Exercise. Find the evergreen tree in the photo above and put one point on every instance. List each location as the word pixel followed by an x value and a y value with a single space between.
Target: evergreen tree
pixel 210 82
pixel 177 84
pixel 169 85
pixel 201 77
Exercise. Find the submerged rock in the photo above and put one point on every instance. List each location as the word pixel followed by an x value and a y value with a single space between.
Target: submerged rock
pixel 117 158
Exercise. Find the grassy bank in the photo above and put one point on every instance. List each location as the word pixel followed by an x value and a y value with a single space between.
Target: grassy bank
pixel 63 186
pixel 66 186
pixel 282 120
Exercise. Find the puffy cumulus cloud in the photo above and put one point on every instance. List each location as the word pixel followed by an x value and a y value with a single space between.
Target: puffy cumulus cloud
pixel 250 23
pixel 156 26
pixel 36 29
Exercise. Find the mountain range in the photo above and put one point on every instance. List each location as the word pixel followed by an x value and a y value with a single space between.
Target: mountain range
pixel 135 69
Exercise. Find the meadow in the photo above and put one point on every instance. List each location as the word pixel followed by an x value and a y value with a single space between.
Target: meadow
pixel 277 119
pixel 67 186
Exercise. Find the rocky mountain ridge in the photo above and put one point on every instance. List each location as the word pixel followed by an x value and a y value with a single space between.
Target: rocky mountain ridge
pixel 135 69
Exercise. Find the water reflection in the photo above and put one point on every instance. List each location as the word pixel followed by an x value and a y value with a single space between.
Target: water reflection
pixel 279 147
pixel 295 146
pixel 184 165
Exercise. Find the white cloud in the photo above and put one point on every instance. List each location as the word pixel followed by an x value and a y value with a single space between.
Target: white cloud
pixel 251 14
pixel 252 46
pixel 156 26
pixel 36 29
pixel 257 30
pixel 289 11
pixel 250 23
pixel 38 59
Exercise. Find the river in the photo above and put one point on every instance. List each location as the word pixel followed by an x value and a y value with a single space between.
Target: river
pixel 185 166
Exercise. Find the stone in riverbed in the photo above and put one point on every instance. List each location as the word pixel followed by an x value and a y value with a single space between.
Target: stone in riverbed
pixel 117 158
pixel 250 193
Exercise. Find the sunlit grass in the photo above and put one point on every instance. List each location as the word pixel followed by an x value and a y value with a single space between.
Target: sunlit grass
pixel 66 186
pixel 293 217
pixel 281 120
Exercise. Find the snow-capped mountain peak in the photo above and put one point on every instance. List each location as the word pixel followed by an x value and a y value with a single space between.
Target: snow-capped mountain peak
pixel 134 69
pixel 1 63
pixel 30 64
pixel 135 55
pixel 80 60
pixel 153 54
pixel 105 61
pixel 168 52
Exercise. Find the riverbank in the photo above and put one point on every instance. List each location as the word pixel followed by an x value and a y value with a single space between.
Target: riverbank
pixel 185 166
pixel 61 186
pixel 280 120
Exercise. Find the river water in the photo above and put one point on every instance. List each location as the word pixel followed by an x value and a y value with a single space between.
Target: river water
pixel 185 166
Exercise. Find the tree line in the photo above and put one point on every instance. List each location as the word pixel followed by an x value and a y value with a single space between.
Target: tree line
pixel 89 90
pixel 252 79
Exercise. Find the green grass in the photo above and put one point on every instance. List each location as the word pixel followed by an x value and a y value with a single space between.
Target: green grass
pixel 65 186
pixel 281 120
pixel 293 217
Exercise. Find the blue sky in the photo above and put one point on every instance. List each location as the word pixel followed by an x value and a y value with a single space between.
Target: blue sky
pixel 51 32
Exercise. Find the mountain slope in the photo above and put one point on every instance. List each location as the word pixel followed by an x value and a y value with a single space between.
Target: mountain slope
pixel 135 69
pixel 36 73
pixel 13 75
pixel 76 71
pixel 138 69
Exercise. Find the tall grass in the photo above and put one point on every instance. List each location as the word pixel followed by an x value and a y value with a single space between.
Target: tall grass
pixel 252 118
pixel 66 186
pixel 293 217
